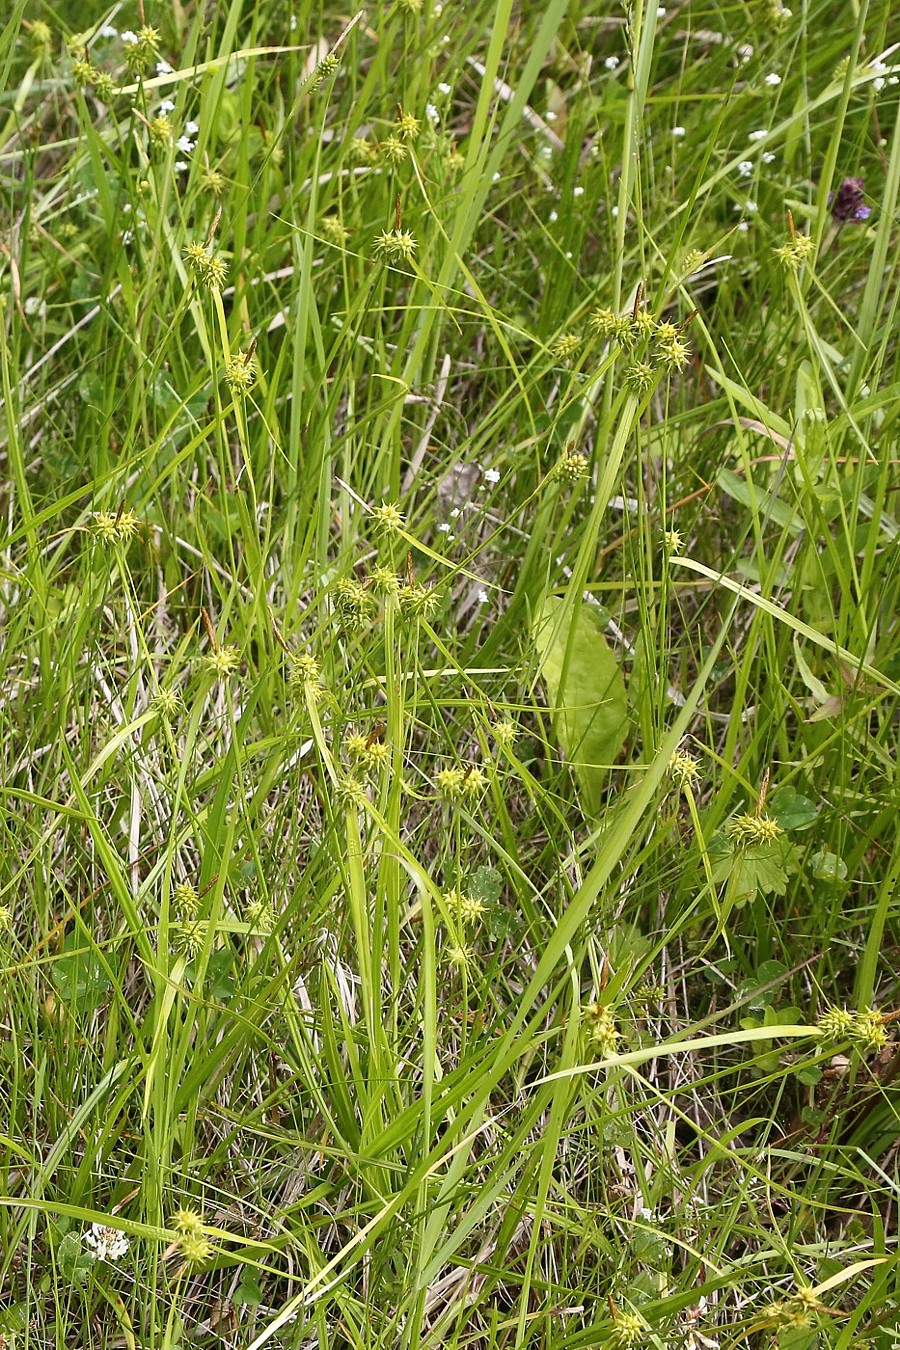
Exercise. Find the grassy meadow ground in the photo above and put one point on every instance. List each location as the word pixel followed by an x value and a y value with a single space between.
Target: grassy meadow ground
pixel 449 675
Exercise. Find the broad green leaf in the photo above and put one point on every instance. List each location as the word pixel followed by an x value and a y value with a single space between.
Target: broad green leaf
pixel 78 975
pixel 590 712
pixel 792 810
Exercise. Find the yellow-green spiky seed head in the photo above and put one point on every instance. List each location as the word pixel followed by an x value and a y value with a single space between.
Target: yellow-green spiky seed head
pixel 393 150
pixel 186 1221
pixel 240 373
pixel 602 1029
pixel 565 346
pixel 186 900
pixel 222 662
pixel 389 518
pixel 449 782
pixel 684 769
pixel 837 1025
pixel 748 830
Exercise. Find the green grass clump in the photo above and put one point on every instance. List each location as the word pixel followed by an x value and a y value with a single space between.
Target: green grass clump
pixel 448 678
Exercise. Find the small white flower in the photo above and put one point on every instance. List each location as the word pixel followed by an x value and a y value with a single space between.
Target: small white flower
pixel 611 63
pixel 483 597
pixel 578 191
pixel 127 236
pixel 107 31
pixel 293 23
pixel 661 11
pixel 455 512
pixel 759 135
pixel 432 114
pixel 553 217
pixel 163 68
pixel 773 79
pixel 108 1243
pixel 444 528
pixel 129 38
pixel 495 176
pixel 569 253
pixel 745 168
pixel 444 88
pixel 767 156
pixel 678 132
pixel 550 115
pixel 180 165
pixel 750 206
pixel 613 210
pixel 743 226
pixel 166 106
pixel 647 1214
pixel 35 304
pixel 185 144
pixel 492 475
pixel 191 128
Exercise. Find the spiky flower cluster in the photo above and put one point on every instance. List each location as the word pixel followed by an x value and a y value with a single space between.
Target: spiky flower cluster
pixel 864 1029
pixel 189 939
pixel 640 377
pixel 240 373
pixel 505 734
pixel 396 245
pixel 630 1330
pixel 325 69
pixel 408 127
pixel 222 661
pixel 393 150
pixel 470 908
pixel 206 267
pixel 692 261
pixel 684 769
pixel 747 830
pixel 795 252
pixel 458 955
pixel 663 340
pixel 195 1248
pixel 187 1221
pixel 389 518
pixel 304 672
pixel 354 605
pixel 82 72
pixel 186 901
pixel 141 52
pixel 602 1029
pixel 565 346
pixel 334 231
pixel 260 915
pixel 115 529
pixel 167 703
pixel 351 795
pixel 213 180
pixel 571 466
pixel 41 37
pixel 673 542
pixel 798 1311
pixel 161 130
pixel 367 751
pixel 417 601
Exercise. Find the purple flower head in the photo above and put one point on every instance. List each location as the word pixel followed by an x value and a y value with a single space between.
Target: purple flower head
pixel 847 203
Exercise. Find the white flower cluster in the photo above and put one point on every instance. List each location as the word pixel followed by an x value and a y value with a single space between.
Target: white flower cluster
pixel 107 1244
